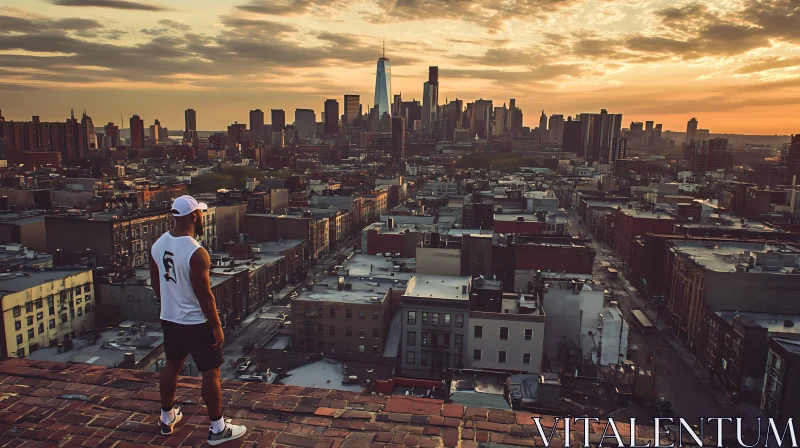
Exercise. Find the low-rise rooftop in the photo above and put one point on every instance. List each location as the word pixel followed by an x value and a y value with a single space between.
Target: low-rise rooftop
pixel 745 256
pixel 439 287
pixel 774 323
pixel 17 281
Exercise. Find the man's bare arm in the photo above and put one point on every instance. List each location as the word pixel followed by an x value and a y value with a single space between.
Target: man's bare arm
pixel 155 278
pixel 200 265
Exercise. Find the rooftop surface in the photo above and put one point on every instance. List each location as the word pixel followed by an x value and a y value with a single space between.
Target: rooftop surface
pixel 439 287
pixel 724 257
pixel 331 294
pixel 276 246
pixel 21 280
pixel 108 351
pixel 774 323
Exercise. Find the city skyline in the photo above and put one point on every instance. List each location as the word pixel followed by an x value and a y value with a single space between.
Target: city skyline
pixel 733 66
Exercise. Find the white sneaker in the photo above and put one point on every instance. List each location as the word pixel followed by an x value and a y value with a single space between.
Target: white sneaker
pixel 231 432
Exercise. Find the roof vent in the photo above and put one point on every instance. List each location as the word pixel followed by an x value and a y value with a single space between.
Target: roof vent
pixel 788 324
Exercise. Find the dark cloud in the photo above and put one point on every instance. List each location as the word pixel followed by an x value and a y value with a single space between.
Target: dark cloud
pixel 489 14
pixel 289 7
pixel 14 24
pixel 171 24
pixel 115 4
pixel 770 63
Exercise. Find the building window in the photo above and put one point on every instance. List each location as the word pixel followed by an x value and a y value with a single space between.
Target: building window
pixel 29 320
pixel 478 332
pixel 424 318
pixel 30 334
pixel 17 311
pixel 19 339
pixel 374 332
pixel 333 330
pixel 77 290
pixel 424 336
pixel 88 308
pixel 41 328
pixel 411 338
pixel 446 319
pixel 504 333
pixel 361 333
pixel 332 313
pixel 319 310
pixel 320 329
pixel 446 343
pixel 28 307
pixel 423 359
pixel 333 347
pixel 459 320
pixel 361 349
pixel 51 323
pixel 348 331
pixel 375 349
pixel 434 318
pixel 39 304
pixel 501 356
pixel 348 314
pixel 476 355
pixel 410 358
pixel 459 343
pixel 412 317
pixel 361 315
pixel 526 358
pixel 528 334
pixel 349 348
pixel 86 288
pixel 18 325
pixel 39 315
pixel 375 315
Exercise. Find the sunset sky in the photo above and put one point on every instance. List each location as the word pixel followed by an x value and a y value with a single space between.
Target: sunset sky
pixel 733 64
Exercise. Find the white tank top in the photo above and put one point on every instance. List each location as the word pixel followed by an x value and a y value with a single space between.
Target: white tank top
pixel 178 302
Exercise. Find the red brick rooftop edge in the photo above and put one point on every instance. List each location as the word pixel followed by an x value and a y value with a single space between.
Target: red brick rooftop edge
pixel 50 404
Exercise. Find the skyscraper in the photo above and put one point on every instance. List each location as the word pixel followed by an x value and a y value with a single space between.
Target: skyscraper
pixel 543 136
pixel 190 128
pixel 257 124
pixel 88 136
pixel 691 130
pixel 331 117
pixel 430 97
pixel 556 132
pixel 278 120
pixel 383 86
pixel 352 104
pixel 398 138
pixel 305 120
pixel 137 132
pixel 572 141
pixel 155 132
pixel 112 135
pixel 499 126
pixel 600 136
pixel 793 160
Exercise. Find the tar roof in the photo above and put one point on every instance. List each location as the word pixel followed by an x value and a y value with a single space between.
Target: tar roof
pixel 774 323
pixel 334 295
pixel 22 280
pixel 439 287
pixel 725 257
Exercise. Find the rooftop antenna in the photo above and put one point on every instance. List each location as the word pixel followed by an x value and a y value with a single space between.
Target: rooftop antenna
pixel 384 48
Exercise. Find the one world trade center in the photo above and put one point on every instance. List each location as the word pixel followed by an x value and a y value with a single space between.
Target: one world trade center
pixel 383 88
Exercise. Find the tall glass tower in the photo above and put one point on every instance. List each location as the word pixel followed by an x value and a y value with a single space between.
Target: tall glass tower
pixel 383 86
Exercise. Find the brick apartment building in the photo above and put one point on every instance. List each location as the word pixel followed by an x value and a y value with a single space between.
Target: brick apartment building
pixel 265 228
pixel 705 277
pixel 121 238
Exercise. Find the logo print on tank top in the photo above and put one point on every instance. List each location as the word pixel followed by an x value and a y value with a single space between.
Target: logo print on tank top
pixel 169 265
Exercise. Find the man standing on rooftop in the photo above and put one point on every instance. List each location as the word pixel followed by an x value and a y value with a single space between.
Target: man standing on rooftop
pixel 179 273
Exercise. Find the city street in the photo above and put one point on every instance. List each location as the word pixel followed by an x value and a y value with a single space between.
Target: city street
pixel 690 396
pixel 261 325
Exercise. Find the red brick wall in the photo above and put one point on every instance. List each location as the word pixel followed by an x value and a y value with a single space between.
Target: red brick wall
pixel 529 227
pixel 574 260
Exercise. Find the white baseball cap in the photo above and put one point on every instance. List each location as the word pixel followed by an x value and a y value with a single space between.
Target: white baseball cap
pixel 186 204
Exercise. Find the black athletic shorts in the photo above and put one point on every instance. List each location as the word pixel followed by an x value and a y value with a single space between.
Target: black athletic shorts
pixel 196 340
